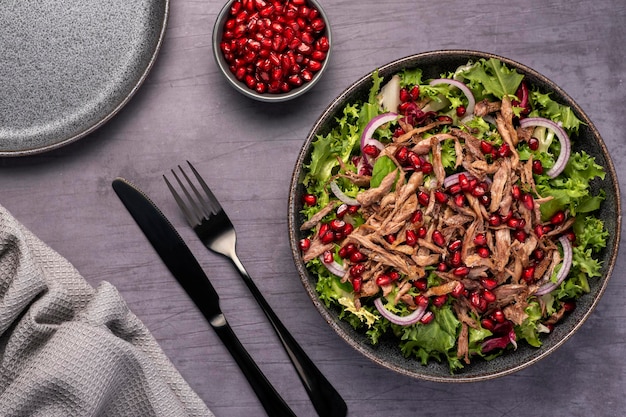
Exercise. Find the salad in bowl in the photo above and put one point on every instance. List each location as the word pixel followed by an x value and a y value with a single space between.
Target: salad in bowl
pixel 447 221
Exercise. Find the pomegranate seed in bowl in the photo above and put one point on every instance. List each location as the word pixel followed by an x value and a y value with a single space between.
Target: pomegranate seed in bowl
pixel 272 50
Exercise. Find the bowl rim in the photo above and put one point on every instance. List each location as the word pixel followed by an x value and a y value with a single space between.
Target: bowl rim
pixel 293 221
pixel 218 30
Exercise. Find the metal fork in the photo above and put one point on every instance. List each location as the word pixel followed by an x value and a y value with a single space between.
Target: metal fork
pixel 208 219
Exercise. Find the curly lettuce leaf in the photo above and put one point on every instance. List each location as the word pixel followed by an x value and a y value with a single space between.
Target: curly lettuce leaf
pixel 448 155
pixel 530 328
pixel 491 77
pixel 582 165
pixel 590 233
pixel 573 287
pixel 584 261
pixel 371 108
pixel 591 236
pixel 411 77
pixel 483 130
pixel 544 106
pixel 366 317
pixel 329 287
pixel 333 292
pixel 343 140
pixel 571 189
pixel 339 143
pixel 546 158
pixel 476 338
pixel 444 94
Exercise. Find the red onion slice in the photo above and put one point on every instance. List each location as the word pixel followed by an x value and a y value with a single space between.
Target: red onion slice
pixel 454 178
pixel 567 263
pixel 342 196
pixel 561 161
pixel 374 124
pixel 333 267
pixel 412 318
pixel 471 101
pixel 363 167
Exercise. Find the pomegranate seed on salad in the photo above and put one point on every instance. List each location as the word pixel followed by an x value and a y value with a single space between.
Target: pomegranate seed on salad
pixel 305 244
pixel 411 238
pixel 309 199
pixel 443 214
pixel 480 239
pixel 533 143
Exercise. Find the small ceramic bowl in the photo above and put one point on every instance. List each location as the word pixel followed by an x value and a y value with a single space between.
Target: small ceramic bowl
pixel 387 353
pixel 266 68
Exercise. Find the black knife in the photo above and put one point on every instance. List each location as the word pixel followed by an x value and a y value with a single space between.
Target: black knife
pixel 186 269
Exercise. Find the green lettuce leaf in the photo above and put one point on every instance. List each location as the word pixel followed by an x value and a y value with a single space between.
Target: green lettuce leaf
pixel 340 142
pixel 410 77
pixel 584 261
pixel 382 167
pixel 529 329
pixel 434 340
pixel 544 106
pixel 448 155
pixel 583 166
pixel 571 189
pixel 371 108
pixel 333 292
pixel 329 287
pixel 492 77
pixel 590 233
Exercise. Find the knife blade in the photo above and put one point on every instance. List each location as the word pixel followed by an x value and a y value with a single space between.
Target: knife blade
pixel 184 266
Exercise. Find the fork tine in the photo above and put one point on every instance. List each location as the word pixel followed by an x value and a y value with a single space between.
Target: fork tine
pixel 206 207
pixel 212 202
pixel 192 219
pixel 198 210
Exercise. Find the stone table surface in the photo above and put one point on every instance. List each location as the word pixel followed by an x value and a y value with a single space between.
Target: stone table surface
pixel 247 150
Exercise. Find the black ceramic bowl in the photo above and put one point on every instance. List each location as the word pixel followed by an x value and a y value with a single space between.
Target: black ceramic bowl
pixel 387 353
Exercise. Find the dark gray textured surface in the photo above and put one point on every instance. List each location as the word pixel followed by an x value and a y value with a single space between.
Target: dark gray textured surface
pixel 247 150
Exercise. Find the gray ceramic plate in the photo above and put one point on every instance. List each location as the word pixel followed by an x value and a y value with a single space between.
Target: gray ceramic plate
pixel 67 67
pixel 387 352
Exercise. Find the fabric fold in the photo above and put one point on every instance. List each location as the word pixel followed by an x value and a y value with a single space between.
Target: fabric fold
pixel 68 349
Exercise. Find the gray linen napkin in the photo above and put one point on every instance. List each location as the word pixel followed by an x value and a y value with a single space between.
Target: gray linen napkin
pixel 67 349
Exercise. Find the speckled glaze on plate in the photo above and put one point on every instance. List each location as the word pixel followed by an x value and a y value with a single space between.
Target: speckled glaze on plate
pixel 387 353
pixel 67 67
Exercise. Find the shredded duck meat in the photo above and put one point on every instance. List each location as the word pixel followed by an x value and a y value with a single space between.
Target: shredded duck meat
pixel 396 238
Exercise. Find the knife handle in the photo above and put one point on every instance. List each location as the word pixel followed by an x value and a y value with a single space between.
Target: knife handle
pixel 272 402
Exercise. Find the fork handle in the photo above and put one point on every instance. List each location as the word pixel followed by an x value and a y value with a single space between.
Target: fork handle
pixel 271 401
pixel 325 398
